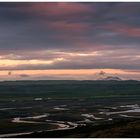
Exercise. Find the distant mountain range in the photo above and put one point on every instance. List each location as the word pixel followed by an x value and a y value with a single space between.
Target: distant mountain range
pixel 114 78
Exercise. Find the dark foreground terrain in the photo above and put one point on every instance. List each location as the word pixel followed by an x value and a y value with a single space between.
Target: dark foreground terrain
pixel 120 129
pixel 70 109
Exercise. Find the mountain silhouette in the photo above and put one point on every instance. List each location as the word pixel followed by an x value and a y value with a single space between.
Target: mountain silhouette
pixel 115 78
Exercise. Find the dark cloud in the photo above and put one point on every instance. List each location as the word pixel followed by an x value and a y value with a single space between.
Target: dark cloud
pixel 102 73
pixel 24 75
pixel 9 73
pixel 38 31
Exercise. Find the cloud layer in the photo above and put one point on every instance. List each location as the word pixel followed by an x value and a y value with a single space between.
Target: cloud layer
pixel 41 36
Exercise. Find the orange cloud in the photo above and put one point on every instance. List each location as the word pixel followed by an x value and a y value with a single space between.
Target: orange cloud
pixel 67 71
pixel 13 63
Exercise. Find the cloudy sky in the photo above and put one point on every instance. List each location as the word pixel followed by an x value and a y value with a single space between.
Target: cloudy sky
pixel 69 40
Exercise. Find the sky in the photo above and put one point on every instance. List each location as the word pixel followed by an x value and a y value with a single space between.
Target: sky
pixel 69 40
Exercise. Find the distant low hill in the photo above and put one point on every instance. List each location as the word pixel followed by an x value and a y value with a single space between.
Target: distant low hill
pixel 114 78
pixel 29 90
